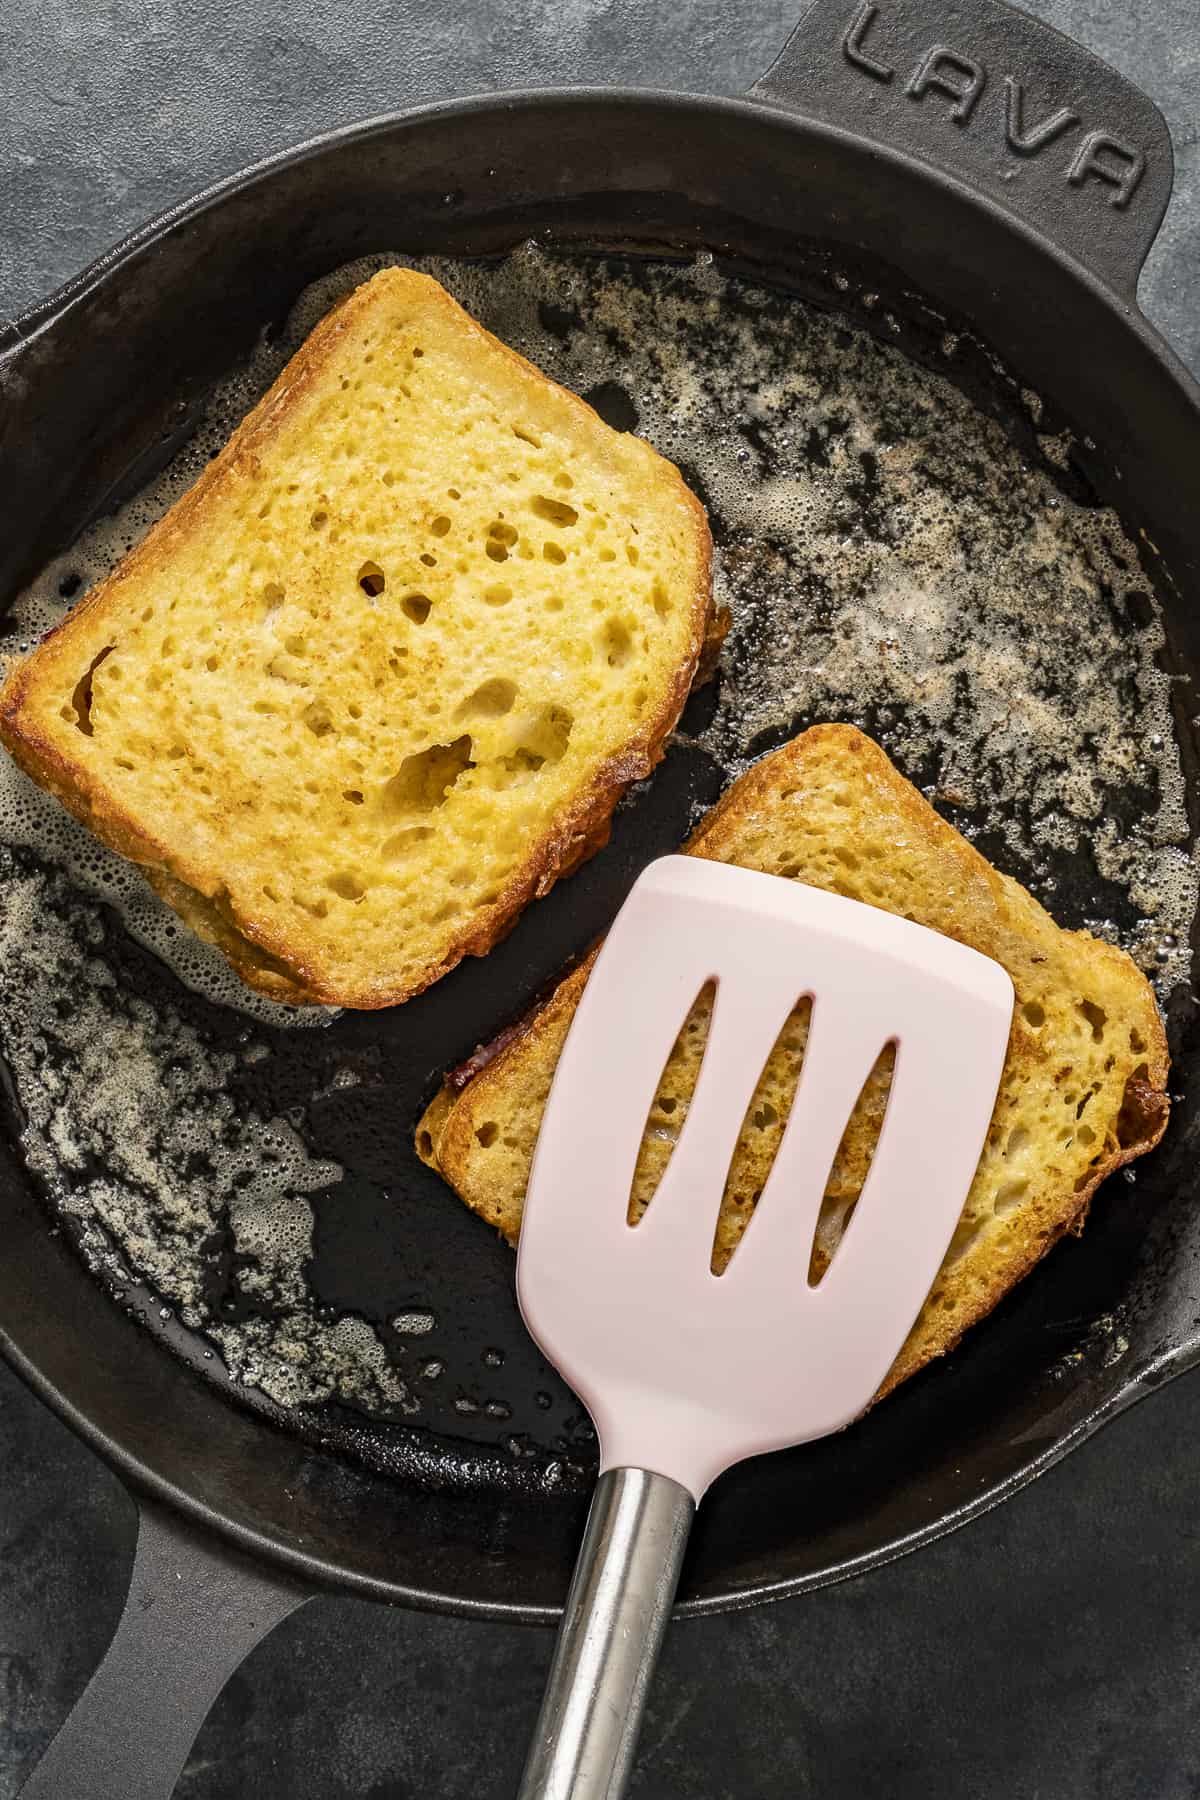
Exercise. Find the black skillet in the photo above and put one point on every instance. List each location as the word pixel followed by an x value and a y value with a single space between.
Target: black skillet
pixel 966 153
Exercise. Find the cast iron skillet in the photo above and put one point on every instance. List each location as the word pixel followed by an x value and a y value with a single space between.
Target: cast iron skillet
pixel 975 157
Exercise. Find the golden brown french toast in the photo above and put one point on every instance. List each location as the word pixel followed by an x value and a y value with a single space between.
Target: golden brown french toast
pixel 1083 1087
pixel 380 677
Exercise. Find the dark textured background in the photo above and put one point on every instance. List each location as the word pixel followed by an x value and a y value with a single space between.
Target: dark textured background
pixel 1049 1652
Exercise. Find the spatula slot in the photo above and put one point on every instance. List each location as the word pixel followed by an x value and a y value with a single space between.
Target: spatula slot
pixel 852 1164
pixel 669 1107
pixel 761 1134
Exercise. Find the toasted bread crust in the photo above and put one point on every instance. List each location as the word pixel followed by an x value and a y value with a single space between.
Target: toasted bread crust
pixel 446 1137
pixel 263 957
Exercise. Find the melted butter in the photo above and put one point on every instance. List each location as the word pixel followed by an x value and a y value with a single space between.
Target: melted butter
pixel 890 559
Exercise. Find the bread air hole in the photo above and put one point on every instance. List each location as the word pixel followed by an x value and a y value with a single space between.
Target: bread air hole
pixel 316 717
pixel 424 779
pixel 81 698
pixel 487 1133
pixel 514 765
pixel 555 512
pixel 405 843
pixel 1009 1197
pixel 371 579
pixel 416 607
pixel 544 739
pixel 491 701
pixel 1096 1017
pixel 547 736
pixel 616 642
pixel 346 885
pixel 553 553
pixel 967 1234
pixel 501 538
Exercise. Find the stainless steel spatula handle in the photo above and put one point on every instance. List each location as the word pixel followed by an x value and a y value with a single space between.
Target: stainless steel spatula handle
pixel 608 1644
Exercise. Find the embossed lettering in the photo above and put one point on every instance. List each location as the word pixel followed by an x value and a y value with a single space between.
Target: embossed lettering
pixel 852 43
pixel 948 73
pixel 1123 178
pixel 1100 157
pixel 1028 143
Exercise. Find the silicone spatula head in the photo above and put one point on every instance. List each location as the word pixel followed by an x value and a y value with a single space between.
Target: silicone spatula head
pixel 686 1372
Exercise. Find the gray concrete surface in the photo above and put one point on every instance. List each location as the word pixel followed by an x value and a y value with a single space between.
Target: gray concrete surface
pixel 1049 1652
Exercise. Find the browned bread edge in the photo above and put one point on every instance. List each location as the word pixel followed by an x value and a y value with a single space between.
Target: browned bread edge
pixel 444 1130
pixel 262 958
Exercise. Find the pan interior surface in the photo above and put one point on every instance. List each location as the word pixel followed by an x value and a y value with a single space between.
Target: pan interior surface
pixel 936 568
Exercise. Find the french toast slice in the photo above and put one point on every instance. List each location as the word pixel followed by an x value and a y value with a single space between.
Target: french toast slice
pixel 380 677
pixel 1083 1087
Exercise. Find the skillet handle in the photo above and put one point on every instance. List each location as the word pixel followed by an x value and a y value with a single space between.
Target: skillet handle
pixel 1028 119
pixel 194 1611
pixel 613 1625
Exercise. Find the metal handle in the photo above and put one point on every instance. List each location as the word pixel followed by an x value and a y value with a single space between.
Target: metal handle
pixel 1033 122
pixel 194 1611
pixel 608 1644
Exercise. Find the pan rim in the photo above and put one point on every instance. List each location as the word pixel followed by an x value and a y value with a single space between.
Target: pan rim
pixel 324 1573
pixel 19 331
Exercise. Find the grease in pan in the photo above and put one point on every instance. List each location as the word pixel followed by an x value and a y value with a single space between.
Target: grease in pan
pixel 897 562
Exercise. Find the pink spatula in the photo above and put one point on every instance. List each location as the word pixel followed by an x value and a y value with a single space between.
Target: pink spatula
pixel 685 1372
